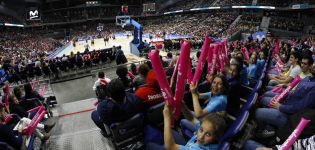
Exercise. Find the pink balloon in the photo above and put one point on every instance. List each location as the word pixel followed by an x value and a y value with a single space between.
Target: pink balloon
pixel 181 77
pixel 295 134
pixel 285 93
pixel 158 68
pixel 202 59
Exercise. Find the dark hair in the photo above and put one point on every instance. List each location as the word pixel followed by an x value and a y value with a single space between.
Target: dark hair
pixel 144 69
pixel 149 64
pixel 122 71
pixel 133 68
pixel 101 74
pixel 116 90
pixel 296 55
pixel 308 57
pixel 17 93
pixel 218 122
pixel 224 82
pixel 239 69
pixel 169 55
pixel 28 88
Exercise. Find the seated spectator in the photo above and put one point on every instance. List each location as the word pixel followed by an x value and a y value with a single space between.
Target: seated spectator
pixel 133 69
pixel 150 93
pixel 102 80
pixel 140 79
pixel 119 107
pixel 234 79
pixel 294 70
pixel 300 144
pixel 216 100
pixel 207 134
pixel 168 58
pixel 27 103
pixel 251 69
pixel 122 72
pixel 306 66
pixel 276 116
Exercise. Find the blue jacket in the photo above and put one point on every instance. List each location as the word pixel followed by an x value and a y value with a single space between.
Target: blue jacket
pixel 302 97
pixel 112 112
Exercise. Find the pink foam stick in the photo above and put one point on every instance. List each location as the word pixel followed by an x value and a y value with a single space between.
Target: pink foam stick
pixel 285 93
pixel 221 61
pixel 245 52
pixel 8 118
pixel 295 134
pixel 6 98
pixel 131 75
pixel 34 109
pixel 42 90
pixel 34 123
pixel 209 58
pixel 190 75
pixel 181 77
pixel 202 59
pixel 165 88
pixel 278 68
pixel 278 59
pixel 214 59
pixel 174 73
pixel 225 53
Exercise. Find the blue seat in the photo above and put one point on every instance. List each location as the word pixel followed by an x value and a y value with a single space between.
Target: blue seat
pixel 224 146
pixel 257 86
pixel 154 116
pixel 250 102
pixel 5 146
pixel 128 132
pixel 235 127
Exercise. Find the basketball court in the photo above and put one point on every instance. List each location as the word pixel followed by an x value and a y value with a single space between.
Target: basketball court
pixel 121 40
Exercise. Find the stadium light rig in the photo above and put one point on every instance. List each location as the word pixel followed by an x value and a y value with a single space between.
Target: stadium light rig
pixel 13 25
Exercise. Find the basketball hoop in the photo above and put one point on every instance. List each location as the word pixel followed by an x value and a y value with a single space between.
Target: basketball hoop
pixel 123 20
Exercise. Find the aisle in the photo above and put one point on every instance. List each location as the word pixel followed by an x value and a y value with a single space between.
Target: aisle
pixel 75 130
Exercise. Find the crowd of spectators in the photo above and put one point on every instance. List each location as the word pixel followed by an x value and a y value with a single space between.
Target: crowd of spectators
pixel 233 3
pixel 186 4
pixel 197 25
pixel 85 13
pixel 8 19
pixel 282 3
pixel 247 22
pixel 286 24
pixel 119 107
pixel 27 40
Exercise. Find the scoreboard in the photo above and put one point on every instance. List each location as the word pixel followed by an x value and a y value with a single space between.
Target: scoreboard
pixel 149 7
